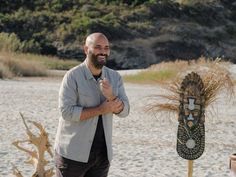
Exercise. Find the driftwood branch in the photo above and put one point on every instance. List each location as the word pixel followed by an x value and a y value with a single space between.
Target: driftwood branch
pixel 41 144
pixel 16 172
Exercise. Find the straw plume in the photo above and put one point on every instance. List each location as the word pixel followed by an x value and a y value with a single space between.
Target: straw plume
pixel 214 74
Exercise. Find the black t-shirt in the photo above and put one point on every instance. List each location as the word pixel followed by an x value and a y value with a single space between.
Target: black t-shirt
pixel 99 142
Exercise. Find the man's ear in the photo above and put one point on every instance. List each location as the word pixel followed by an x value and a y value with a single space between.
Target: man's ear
pixel 86 50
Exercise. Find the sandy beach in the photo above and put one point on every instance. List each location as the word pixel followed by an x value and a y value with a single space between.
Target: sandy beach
pixel 144 143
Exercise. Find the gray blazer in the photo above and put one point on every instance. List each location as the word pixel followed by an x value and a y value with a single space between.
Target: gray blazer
pixel 79 89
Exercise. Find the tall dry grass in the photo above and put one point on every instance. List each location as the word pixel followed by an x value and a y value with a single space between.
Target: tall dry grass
pixel 11 66
pixel 158 73
pixel 149 76
pixel 19 64
pixel 50 62
pixel 166 72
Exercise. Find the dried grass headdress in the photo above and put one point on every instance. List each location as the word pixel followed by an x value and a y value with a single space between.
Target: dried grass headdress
pixel 216 79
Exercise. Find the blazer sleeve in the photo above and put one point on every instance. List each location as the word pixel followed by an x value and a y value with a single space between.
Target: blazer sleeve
pixel 68 97
pixel 123 97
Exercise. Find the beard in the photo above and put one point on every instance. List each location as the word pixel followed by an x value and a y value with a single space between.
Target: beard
pixel 98 63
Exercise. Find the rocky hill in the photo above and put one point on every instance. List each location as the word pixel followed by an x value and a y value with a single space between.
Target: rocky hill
pixel 141 34
pixel 181 33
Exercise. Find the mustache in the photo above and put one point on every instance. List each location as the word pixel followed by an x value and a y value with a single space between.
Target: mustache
pixel 101 54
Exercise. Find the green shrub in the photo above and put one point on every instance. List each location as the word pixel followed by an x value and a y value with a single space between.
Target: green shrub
pixel 140 25
pixel 9 42
pixel 193 2
pixel 30 46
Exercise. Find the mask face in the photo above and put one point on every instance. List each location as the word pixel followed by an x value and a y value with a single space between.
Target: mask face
pixel 191 129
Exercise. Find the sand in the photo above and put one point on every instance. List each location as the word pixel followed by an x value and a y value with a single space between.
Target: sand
pixel 144 143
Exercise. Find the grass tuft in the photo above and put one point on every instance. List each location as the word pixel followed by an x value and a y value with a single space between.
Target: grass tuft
pixel 5 72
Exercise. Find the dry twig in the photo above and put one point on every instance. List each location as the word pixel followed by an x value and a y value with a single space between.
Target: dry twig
pixel 36 159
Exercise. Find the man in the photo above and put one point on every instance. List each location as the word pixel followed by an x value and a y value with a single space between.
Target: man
pixel 89 96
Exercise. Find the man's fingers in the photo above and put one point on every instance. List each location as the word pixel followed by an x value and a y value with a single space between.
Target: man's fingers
pixel 119 109
pixel 104 84
pixel 119 106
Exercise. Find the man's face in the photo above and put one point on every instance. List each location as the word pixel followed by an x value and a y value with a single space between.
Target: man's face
pixel 98 52
pixel 98 60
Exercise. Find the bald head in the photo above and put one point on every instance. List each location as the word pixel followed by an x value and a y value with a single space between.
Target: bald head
pixel 94 37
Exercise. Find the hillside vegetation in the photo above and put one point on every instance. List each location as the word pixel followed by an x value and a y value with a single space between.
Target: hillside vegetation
pixel 142 32
pixel 54 27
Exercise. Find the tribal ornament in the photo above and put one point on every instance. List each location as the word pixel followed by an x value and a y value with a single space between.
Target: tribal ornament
pixel 191 129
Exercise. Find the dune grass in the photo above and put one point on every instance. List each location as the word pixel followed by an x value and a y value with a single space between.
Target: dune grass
pixel 49 62
pixel 170 71
pixel 30 65
pixel 157 73
pixel 149 76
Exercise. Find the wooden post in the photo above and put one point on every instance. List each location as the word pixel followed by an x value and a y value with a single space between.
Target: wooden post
pixel 190 168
